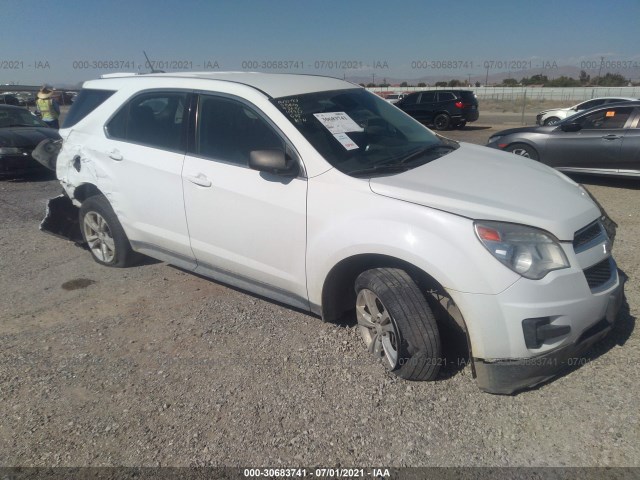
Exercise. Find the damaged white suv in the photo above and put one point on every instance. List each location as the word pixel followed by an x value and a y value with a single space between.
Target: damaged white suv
pixel 316 193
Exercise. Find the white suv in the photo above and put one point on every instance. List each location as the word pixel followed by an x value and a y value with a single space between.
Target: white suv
pixel 316 193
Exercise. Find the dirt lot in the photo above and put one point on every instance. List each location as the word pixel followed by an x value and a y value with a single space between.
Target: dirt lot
pixel 154 366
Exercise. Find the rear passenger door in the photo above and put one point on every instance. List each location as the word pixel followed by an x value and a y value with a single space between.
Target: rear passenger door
pixel 142 158
pixel 247 228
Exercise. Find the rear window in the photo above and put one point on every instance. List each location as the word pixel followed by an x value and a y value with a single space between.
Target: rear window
pixel 85 103
pixel 469 97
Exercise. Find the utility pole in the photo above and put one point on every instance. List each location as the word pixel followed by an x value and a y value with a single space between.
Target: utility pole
pixel 600 69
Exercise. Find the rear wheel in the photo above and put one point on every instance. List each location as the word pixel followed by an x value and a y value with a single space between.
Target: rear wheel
pixel 523 150
pixel 396 323
pixel 441 121
pixel 104 235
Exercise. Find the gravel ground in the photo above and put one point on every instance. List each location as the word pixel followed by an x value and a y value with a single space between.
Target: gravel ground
pixel 153 366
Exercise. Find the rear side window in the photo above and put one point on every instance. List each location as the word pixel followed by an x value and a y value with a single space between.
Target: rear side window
pixel 446 96
pixel 85 103
pixel 154 119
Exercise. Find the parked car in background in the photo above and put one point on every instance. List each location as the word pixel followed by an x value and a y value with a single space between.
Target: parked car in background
pixel 604 140
pixel 10 99
pixel 20 133
pixel 319 194
pixel 443 109
pixel 555 115
pixel 394 97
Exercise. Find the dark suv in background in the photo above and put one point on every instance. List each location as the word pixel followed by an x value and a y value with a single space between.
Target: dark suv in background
pixel 442 108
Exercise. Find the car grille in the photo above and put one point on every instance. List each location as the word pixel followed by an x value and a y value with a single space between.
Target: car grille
pixel 599 274
pixel 588 234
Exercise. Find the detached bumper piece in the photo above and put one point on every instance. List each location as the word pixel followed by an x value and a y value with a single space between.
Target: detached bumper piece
pixel 62 220
pixel 505 377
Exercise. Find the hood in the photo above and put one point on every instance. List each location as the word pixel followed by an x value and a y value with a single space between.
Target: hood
pixel 25 137
pixel 511 131
pixel 486 184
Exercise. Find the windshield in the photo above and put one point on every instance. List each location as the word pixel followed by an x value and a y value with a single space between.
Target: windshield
pixel 19 118
pixel 361 134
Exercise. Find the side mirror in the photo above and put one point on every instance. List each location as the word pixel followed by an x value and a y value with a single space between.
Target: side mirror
pixel 274 162
pixel 571 127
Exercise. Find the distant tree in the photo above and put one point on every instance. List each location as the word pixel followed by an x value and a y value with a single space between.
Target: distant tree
pixel 422 84
pixel 404 84
pixel 362 84
pixel 584 78
pixel 563 82
pixel 455 83
pixel 371 85
pixel 509 82
pixel 441 84
pixel 612 80
pixel 535 80
pixel 478 84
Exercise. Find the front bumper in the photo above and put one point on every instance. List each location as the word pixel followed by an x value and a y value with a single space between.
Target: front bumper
pixel 506 376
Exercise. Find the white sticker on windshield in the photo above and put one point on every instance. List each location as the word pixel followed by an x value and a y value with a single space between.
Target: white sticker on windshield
pixel 346 142
pixel 338 122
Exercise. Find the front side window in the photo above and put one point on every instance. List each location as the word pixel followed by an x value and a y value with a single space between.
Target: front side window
pixel 606 119
pixel 229 131
pixel 360 134
pixel 155 119
pixel 589 104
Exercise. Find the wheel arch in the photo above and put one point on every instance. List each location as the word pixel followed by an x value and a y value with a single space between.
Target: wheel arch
pixel 86 190
pixel 338 293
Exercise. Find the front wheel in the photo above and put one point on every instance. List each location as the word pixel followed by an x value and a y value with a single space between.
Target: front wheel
pixel 551 121
pixel 523 150
pixel 396 323
pixel 104 235
pixel 441 121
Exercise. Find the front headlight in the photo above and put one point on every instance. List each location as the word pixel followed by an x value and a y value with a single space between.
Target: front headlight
pixel 10 151
pixel 528 251
pixel 494 139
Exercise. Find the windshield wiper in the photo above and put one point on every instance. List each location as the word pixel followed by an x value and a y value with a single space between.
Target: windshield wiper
pixel 421 151
pixel 388 168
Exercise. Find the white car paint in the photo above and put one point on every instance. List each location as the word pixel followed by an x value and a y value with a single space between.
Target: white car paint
pixel 282 238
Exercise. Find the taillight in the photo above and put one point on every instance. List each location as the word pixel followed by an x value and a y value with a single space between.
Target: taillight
pixel 459 104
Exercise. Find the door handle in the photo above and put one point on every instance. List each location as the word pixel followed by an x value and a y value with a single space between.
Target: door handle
pixel 115 155
pixel 611 136
pixel 199 179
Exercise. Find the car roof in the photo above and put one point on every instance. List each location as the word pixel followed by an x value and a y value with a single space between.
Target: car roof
pixel 610 98
pixel 272 84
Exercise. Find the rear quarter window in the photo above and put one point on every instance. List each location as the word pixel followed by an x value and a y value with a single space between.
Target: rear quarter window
pixel 85 103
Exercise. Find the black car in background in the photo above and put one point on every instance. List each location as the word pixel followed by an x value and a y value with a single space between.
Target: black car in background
pixel 20 133
pixel 442 108
pixel 10 99
pixel 604 141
